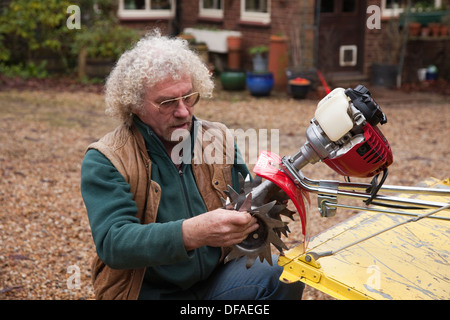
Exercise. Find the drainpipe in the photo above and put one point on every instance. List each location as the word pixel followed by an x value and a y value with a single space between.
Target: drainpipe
pixel 316 35
pixel 404 44
pixel 176 21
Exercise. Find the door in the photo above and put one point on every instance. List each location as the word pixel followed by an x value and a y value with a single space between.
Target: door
pixel 341 36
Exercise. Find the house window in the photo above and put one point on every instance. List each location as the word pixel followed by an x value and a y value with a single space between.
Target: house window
pixel 332 6
pixel 327 6
pixel 392 8
pixel 211 9
pixel 348 5
pixel 146 9
pixel 255 11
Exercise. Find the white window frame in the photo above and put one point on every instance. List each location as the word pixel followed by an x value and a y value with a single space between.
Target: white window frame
pixel 261 17
pixel 146 13
pixel 395 12
pixel 210 13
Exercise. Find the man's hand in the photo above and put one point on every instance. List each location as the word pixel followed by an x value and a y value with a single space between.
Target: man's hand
pixel 217 228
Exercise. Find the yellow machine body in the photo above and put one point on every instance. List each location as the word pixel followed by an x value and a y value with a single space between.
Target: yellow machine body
pixel 409 262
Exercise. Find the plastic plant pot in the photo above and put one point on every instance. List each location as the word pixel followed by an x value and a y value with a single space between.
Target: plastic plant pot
pixel 232 80
pixel 260 83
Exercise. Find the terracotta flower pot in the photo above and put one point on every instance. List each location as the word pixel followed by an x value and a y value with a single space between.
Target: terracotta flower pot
pixel 278 60
pixel 414 29
pixel 188 37
pixel 234 60
pixel 435 29
pixel 234 43
pixel 444 30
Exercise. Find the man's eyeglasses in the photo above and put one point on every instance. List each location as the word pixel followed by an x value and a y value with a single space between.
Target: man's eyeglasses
pixel 169 106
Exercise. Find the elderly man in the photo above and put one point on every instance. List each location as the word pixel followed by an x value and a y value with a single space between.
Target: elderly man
pixel 156 218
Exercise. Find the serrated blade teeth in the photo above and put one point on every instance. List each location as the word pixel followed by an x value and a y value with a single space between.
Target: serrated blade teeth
pixel 288 213
pixel 276 241
pixel 268 215
pixel 266 255
pixel 226 204
pixel 247 204
pixel 234 196
pixel 234 254
pixel 250 260
pixel 265 208
pixel 250 184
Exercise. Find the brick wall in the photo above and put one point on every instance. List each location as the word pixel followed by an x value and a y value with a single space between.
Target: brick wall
pixel 285 15
pixel 372 42
pixel 294 19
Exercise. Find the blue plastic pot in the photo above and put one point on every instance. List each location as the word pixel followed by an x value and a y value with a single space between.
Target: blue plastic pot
pixel 259 83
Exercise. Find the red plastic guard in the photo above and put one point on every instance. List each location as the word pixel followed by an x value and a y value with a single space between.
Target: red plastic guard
pixel 268 167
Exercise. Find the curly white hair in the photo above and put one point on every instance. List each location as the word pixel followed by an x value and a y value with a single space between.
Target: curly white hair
pixel 154 58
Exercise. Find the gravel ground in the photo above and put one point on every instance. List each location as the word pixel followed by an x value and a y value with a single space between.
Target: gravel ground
pixel 45 238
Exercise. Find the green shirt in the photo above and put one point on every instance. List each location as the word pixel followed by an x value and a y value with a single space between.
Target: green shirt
pixel 123 243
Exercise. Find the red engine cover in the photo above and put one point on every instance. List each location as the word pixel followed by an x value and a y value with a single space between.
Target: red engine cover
pixel 365 159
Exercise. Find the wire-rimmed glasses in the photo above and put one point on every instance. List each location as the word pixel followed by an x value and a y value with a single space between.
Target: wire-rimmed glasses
pixel 169 106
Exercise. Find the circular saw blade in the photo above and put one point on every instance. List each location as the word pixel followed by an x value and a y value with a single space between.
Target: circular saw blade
pixel 257 244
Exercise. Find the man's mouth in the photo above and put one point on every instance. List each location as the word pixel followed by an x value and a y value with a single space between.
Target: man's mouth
pixel 184 125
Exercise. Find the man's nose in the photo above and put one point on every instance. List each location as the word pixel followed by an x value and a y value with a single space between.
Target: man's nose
pixel 182 110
